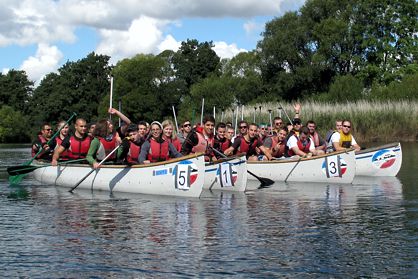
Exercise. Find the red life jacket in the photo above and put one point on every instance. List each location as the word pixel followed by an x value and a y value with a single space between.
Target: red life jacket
pixel 304 148
pixel 247 147
pixel 175 142
pixel 65 154
pixel 202 144
pixel 79 147
pixel 282 147
pixel 223 145
pixel 158 151
pixel 107 146
pixel 42 142
pixel 315 138
pixel 133 153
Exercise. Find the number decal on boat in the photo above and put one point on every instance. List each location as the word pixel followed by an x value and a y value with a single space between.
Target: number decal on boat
pixel 225 175
pixel 333 166
pixel 185 174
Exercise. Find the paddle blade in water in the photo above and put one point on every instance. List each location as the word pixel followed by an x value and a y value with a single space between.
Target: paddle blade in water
pixel 13 180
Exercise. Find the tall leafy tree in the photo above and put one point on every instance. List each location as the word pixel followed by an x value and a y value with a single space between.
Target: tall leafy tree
pixel 15 90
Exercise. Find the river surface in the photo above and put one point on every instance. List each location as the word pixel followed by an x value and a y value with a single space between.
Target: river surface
pixel 368 229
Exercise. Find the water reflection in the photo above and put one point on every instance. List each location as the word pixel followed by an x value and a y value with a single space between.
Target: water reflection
pixel 367 229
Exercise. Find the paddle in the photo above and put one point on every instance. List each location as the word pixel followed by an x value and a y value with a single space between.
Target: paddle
pixel 101 162
pixel 294 167
pixel 264 181
pixel 17 178
pixel 22 169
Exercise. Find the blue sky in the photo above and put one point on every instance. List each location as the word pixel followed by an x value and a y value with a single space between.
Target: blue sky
pixel 38 36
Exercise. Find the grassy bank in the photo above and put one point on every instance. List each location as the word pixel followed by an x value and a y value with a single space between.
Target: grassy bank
pixel 372 121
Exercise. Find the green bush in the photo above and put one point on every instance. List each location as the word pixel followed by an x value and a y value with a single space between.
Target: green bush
pixel 13 126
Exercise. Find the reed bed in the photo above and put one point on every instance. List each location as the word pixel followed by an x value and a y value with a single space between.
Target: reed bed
pixel 372 121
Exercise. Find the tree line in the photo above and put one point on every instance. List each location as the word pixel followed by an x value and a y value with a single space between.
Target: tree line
pixel 332 51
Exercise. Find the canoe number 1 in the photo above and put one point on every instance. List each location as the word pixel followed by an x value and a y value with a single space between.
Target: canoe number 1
pixel 225 175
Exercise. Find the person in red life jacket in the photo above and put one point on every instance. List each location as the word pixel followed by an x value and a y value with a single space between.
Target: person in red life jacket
pixel 262 131
pixel 132 148
pixel 65 128
pixel 343 139
pixel 229 132
pixel 41 141
pixel 169 135
pixel 276 144
pixel 156 149
pixel 221 143
pixel 103 143
pixel 320 143
pixel 302 145
pixel 121 131
pixel 201 139
pixel 74 146
pixel 250 144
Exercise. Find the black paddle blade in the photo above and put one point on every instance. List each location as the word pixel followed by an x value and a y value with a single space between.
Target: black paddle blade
pixel 18 170
pixel 265 182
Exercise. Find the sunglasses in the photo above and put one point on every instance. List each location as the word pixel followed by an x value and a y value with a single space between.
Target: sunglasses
pixel 278 123
pixel 47 129
pixel 186 125
pixel 345 126
pixel 243 127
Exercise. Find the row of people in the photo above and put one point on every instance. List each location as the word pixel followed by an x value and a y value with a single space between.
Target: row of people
pixel 158 142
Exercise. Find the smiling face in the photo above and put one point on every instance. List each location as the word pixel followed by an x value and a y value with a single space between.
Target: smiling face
pixel 80 127
pixel 155 130
pixel 252 131
pixel 346 127
pixel 168 131
pixel 208 128
pixel 221 132
pixel 46 131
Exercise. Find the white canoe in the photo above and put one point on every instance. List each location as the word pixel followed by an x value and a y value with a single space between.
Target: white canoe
pixel 226 174
pixel 384 160
pixel 335 167
pixel 178 177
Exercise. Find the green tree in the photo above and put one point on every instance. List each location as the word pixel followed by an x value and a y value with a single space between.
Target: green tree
pixel 195 61
pixel 15 90
pixel 13 126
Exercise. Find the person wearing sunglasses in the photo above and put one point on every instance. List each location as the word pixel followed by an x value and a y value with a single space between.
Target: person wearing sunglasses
pixel 201 139
pixel 41 143
pixel 343 139
pixel 185 129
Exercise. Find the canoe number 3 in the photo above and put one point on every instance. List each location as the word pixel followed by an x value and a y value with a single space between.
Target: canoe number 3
pixel 333 166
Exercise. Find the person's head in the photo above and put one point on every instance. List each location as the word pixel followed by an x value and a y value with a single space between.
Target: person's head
pixel 46 130
pixel 252 130
pixel 311 125
pixel 221 130
pixel 346 126
pixel 142 129
pixel 156 129
pixel 278 122
pixel 228 124
pixel 65 128
pixel 80 127
pixel 132 132
pixel 230 133
pixel 168 128
pixel 304 134
pixel 91 128
pixel 208 124
pixel 289 126
pixel 102 129
pixel 281 134
pixel 338 125
pixel 186 127
pixel 262 129
pixel 243 127
pixel 297 124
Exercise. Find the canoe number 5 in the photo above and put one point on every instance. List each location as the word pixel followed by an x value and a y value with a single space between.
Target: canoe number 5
pixel 183 177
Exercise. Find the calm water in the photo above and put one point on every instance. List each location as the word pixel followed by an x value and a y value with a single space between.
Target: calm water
pixel 369 229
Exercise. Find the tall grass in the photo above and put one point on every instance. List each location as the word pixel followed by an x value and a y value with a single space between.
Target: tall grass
pixel 371 120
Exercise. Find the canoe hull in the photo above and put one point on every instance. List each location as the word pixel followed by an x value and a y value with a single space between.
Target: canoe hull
pixel 179 177
pixel 228 174
pixel 385 160
pixel 336 167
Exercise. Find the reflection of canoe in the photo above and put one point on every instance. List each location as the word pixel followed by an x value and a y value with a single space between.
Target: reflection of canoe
pixel 178 177
pixel 385 160
pixel 227 174
pixel 335 167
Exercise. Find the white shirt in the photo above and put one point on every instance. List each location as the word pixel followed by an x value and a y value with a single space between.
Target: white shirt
pixel 293 141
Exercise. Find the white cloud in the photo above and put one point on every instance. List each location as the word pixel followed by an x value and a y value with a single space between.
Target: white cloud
pixel 224 50
pixel 169 43
pixel 46 60
pixel 143 36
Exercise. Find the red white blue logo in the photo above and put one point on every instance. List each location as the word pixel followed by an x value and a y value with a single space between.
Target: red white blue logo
pixel 190 173
pixel 384 158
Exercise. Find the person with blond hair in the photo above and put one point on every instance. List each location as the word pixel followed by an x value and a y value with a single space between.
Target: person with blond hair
pixel 169 135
